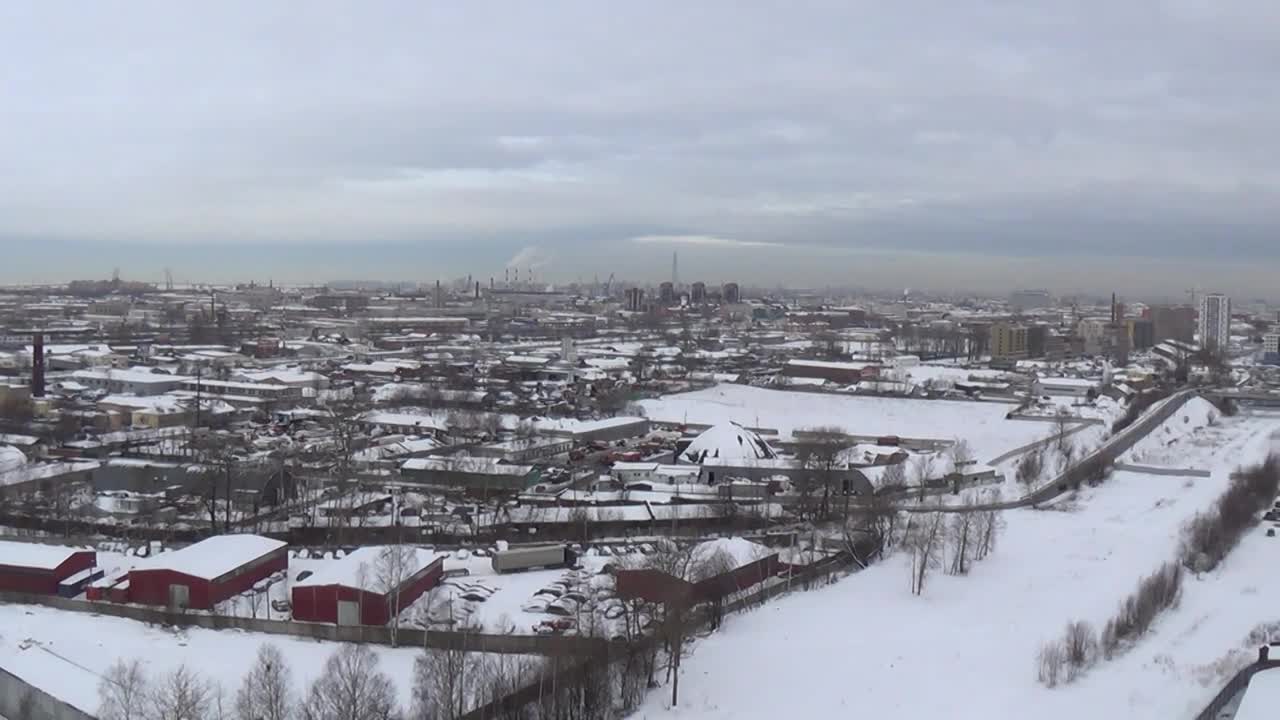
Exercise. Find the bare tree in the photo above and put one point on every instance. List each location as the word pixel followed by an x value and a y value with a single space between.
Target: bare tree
pixel 819 454
pixel 351 688
pixel 122 692
pixel 444 681
pixel 961 455
pixel 1030 467
pixel 255 601
pixel 1050 662
pixel 963 531
pixel 1080 645
pixel 1062 420
pixel 267 691
pixel 894 476
pixel 922 472
pixel 394 564
pixel 989 524
pixel 180 695
pixel 927 543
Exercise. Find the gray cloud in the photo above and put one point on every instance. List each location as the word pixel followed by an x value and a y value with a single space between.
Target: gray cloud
pixel 989 129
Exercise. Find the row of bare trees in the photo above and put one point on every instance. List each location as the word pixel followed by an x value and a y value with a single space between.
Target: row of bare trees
pixel 1212 534
pixel 446 684
pixel 952 541
pixel 1081 646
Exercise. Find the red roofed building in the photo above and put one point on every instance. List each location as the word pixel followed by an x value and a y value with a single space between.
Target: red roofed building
pixel 36 568
pixel 202 575
pixel 350 591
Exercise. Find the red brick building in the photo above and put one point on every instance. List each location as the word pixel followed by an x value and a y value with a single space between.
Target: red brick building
pixel 35 568
pixel 202 575
pixel 352 591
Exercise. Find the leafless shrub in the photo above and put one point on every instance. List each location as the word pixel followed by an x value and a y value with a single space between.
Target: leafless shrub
pixel 1030 467
pixel 1050 662
pixel 1212 534
pixel 1080 645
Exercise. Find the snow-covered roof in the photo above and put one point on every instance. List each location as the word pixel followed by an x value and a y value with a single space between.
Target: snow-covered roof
pixel 34 555
pixel 426 422
pixel 11 458
pixel 740 550
pixel 214 557
pixel 359 569
pixel 728 441
pixel 1261 697
pixel 477 465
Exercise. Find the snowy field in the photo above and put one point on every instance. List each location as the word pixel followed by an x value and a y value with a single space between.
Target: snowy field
pixel 64 653
pixel 983 424
pixel 967 648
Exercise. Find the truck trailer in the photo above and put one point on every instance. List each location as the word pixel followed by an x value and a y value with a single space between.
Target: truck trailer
pixel 542 556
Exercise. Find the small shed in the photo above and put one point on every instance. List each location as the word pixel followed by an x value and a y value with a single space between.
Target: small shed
pixel 355 590
pixel 202 575
pixel 37 568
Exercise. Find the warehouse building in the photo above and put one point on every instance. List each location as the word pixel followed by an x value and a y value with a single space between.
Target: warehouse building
pixel 473 474
pixel 202 575
pixel 359 589
pixel 36 568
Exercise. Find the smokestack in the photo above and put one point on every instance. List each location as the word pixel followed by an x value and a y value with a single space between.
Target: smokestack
pixel 37 365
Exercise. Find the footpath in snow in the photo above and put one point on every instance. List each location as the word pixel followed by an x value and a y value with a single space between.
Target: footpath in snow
pixel 967 648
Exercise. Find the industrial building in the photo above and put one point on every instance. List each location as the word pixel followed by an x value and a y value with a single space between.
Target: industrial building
pixel 845 373
pixel 39 569
pixel 473 474
pixel 202 575
pixel 359 589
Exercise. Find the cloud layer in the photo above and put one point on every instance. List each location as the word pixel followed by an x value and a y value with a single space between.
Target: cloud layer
pixel 991 130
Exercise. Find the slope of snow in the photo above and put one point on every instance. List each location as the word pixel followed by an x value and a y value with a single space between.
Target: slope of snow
pixel 866 647
pixel 983 424
pixel 1179 430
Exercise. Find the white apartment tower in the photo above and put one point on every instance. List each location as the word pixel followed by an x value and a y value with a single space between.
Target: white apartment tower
pixel 1215 321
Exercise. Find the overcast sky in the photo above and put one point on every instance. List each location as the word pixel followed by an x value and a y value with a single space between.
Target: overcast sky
pixel 955 143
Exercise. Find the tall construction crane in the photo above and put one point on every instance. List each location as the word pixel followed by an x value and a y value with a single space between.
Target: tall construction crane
pixel 608 284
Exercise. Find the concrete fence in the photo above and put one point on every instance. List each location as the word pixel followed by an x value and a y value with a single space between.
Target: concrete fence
pixel 547 645
pixel 21 701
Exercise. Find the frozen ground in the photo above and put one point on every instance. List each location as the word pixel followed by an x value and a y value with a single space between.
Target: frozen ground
pixel 966 648
pixel 64 653
pixel 983 424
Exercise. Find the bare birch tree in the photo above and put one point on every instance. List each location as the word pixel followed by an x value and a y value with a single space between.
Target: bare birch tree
pixel 182 694
pixel 444 682
pixel 267 692
pixel 122 692
pixel 922 472
pixel 963 530
pixel 394 564
pixel 351 688
pixel 927 543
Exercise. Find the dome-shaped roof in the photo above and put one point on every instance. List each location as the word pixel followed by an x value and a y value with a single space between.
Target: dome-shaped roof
pixel 11 458
pixel 728 441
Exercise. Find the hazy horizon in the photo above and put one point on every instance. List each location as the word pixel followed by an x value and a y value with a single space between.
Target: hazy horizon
pixel 1082 147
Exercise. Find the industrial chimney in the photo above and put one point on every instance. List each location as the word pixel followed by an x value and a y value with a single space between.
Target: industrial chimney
pixel 37 365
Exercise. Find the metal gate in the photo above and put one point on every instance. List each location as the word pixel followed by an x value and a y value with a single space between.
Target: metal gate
pixel 179 596
pixel 348 612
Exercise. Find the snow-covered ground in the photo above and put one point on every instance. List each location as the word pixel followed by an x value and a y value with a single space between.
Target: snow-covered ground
pixel 983 424
pixel 65 653
pixel 866 647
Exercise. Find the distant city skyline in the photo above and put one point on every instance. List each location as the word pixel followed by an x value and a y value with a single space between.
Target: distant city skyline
pixel 1079 146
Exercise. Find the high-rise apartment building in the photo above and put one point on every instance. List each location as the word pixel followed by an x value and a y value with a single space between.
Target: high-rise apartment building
pixel 1215 322
pixel 1172 323
pixel 730 293
pixel 1008 342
